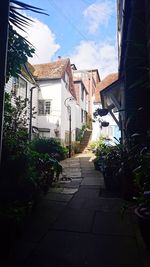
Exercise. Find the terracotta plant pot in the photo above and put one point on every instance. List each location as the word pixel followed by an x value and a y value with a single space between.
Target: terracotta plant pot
pixel 144 225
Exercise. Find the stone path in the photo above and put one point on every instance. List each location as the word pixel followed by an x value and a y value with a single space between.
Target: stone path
pixel 79 224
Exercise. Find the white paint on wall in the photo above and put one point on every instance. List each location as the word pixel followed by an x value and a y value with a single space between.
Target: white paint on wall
pixel 108 132
pixel 58 119
pixel 50 90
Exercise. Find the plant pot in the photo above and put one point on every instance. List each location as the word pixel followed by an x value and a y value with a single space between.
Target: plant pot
pixel 144 225
pixel 102 111
pixel 111 181
pixel 104 124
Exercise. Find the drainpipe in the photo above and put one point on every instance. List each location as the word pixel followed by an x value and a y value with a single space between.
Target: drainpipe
pixel 4 16
pixel 69 113
pixel 30 117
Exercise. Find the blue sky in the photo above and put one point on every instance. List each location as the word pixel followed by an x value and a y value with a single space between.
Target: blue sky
pixel 83 30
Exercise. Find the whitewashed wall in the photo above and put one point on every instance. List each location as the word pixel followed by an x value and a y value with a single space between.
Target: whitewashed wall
pixel 50 90
pixel 56 91
pixel 64 113
pixel 109 132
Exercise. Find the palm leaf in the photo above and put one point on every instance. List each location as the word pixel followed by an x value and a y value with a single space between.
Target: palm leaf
pixel 18 19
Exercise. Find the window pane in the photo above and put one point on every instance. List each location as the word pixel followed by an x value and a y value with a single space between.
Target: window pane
pixel 47 107
pixel 15 85
pixel 41 107
pixel 22 88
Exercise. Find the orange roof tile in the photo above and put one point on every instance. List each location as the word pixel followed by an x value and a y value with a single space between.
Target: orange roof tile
pixel 103 84
pixel 52 70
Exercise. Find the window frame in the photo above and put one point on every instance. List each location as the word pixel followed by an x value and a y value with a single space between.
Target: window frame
pixel 44 108
pixel 16 88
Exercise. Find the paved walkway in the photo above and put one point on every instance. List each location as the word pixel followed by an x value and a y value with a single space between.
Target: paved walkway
pixel 78 224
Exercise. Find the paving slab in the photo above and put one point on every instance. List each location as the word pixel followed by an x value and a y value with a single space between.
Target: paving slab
pixel 86 164
pixel 75 220
pixel 87 193
pixel 58 197
pixel 63 249
pixel 108 194
pixel 90 171
pixel 74 174
pixel 69 190
pixel 92 181
pixel 92 174
pixel 89 186
pixel 41 220
pixel 73 168
pixel 94 203
pixel 108 223
pixel 108 205
pixel 73 183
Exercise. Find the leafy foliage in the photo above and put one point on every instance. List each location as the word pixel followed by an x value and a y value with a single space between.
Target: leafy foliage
pixel 80 134
pixel 51 146
pixel 25 173
pixel 18 19
pixel 19 49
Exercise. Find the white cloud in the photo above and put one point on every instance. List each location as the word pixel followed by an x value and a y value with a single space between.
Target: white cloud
pixel 90 55
pixel 43 39
pixel 98 14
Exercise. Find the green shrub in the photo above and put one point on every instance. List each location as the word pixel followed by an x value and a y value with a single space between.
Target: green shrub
pixel 98 143
pixel 80 133
pixel 51 146
pixel 25 173
pixel 44 169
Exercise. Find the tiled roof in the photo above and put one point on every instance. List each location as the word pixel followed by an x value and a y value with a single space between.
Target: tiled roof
pixel 103 84
pixel 52 70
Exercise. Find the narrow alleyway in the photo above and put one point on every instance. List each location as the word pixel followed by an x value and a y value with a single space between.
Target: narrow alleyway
pixel 78 224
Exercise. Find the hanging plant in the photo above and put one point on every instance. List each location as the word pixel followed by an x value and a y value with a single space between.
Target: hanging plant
pixel 102 112
pixel 104 124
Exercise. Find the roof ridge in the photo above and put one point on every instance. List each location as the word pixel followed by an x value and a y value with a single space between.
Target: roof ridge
pixel 61 59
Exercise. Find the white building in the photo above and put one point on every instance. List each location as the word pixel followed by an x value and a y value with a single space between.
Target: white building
pixel 55 90
pixel 21 86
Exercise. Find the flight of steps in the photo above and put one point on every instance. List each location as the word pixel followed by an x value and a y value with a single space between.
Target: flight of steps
pixel 85 141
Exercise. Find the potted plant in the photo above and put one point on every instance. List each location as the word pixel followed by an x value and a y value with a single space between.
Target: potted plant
pixel 142 210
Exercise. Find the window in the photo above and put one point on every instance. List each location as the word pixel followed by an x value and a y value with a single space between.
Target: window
pixel 19 87
pixel 44 107
pixel 47 107
pixel 22 90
